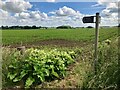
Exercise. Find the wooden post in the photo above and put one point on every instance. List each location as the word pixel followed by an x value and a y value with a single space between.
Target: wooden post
pixel 96 42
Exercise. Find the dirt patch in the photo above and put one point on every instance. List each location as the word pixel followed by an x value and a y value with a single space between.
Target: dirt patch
pixel 53 42
pixel 60 42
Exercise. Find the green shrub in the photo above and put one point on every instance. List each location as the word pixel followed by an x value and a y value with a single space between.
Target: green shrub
pixel 37 66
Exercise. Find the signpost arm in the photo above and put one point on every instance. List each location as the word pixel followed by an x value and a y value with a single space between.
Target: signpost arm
pixel 96 42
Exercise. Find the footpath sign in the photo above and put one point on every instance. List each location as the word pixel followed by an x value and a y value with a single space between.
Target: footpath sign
pixel 90 19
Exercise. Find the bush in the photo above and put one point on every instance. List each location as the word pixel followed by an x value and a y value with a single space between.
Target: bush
pixel 37 66
pixel 90 27
pixel 64 27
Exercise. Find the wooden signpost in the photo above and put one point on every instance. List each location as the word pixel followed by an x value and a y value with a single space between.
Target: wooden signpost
pixel 90 19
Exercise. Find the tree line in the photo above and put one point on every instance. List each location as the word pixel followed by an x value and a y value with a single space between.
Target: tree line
pixel 40 27
pixel 23 27
pixel 34 27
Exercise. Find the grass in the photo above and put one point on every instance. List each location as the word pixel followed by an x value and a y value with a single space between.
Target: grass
pixel 107 76
pixel 10 37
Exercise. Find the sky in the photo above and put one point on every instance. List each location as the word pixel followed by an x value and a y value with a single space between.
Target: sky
pixel 53 13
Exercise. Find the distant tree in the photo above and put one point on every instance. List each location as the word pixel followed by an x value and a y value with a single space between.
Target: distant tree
pixel 34 27
pixel 39 27
pixel 4 27
pixel 14 27
pixel 27 27
pixel 64 27
pixel 89 27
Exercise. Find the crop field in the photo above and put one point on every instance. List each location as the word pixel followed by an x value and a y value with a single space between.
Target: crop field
pixel 56 64
pixel 11 37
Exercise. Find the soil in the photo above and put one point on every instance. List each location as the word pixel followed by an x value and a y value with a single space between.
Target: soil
pixel 54 42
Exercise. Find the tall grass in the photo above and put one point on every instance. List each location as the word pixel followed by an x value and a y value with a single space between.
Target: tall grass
pixel 7 57
pixel 107 69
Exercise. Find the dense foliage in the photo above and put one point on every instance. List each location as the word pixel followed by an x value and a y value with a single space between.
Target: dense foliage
pixel 37 66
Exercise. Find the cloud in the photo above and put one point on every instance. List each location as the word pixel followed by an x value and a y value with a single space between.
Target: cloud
pixel 50 0
pixel 65 16
pixel 110 9
pixel 22 15
pixel 15 6
pixel 3 14
pixel 111 5
pixel 1 4
pixel 6 18
pixel 65 11
pixel 68 17
pixel 109 15
pixel 19 14
pixel 35 15
pixel 106 1
pixel 109 21
pixel 10 8
pixel 14 12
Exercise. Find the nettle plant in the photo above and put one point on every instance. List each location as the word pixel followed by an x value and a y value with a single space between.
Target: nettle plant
pixel 37 66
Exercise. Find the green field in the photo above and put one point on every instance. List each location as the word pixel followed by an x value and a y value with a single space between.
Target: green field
pixel 60 67
pixel 28 36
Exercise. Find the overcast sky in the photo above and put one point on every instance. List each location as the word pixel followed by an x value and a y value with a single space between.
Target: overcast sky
pixel 53 13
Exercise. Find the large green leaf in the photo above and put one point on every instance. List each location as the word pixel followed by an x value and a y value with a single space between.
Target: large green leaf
pixel 17 79
pixel 11 66
pixel 47 72
pixel 29 81
pixel 55 73
pixel 23 73
pixel 42 78
pixel 11 75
